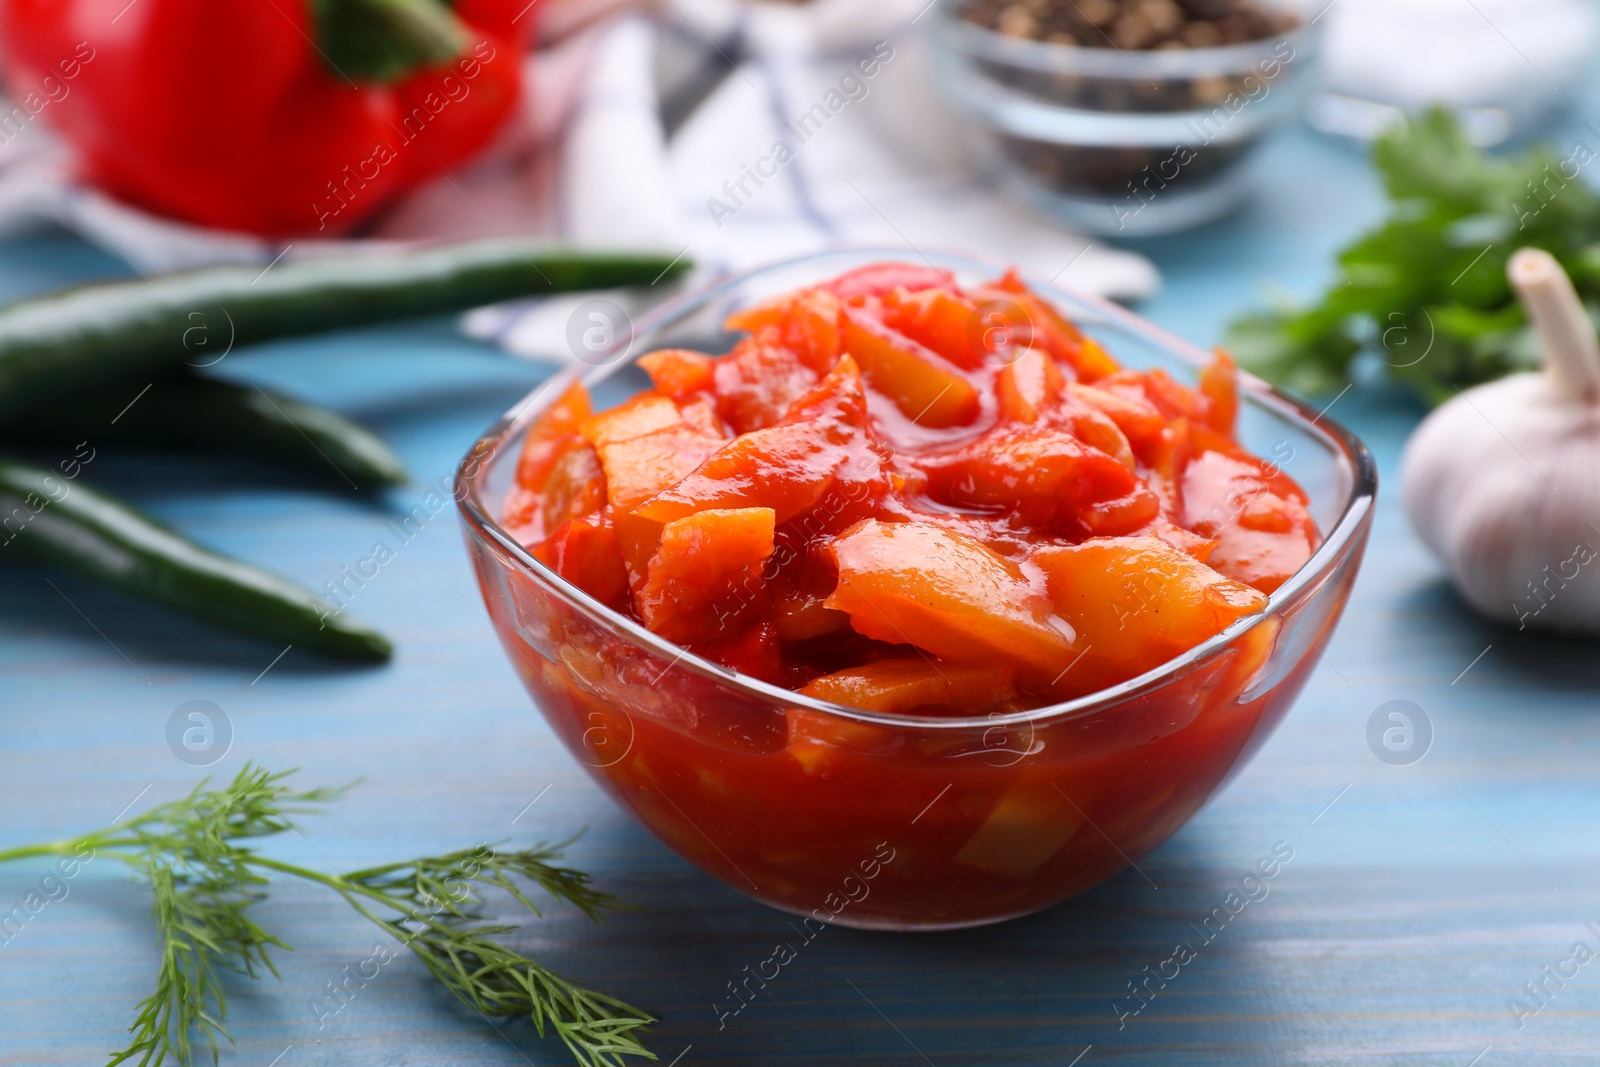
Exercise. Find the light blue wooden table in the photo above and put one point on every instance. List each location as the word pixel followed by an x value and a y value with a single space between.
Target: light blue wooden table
pixel 1418 901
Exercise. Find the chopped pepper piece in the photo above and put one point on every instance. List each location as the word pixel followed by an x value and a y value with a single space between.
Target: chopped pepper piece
pixel 678 372
pixel 644 446
pixel 1046 475
pixel 917 584
pixel 585 552
pixel 877 279
pixel 945 322
pixel 1219 384
pixel 909 685
pixel 706 573
pixel 1029 386
pixel 1137 602
pixel 925 388
pixel 821 444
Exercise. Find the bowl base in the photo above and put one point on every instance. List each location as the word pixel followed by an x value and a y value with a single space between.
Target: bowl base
pixel 896 925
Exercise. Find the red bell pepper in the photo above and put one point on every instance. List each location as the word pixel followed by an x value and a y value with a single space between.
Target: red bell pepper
pixel 272 117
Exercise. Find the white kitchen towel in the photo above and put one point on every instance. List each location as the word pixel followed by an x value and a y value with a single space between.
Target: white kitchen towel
pixel 870 158
pixel 814 139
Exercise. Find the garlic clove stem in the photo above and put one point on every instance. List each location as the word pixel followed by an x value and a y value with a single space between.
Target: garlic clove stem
pixel 1572 352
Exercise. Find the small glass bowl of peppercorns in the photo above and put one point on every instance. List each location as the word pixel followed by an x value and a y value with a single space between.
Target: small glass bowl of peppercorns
pixel 1125 117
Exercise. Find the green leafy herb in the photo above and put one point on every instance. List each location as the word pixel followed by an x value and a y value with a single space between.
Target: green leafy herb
pixel 1426 292
pixel 204 882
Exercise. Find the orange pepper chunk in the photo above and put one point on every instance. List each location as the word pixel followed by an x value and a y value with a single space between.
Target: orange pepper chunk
pixel 639 467
pixel 758 317
pixel 945 322
pixel 758 381
pixel 585 552
pixel 1050 330
pixel 802 615
pixel 521 514
pixel 1268 513
pixel 550 435
pixel 806 323
pixel 1205 439
pixel 1189 543
pixel 924 388
pixel 1048 477
pixel 1168 457
pixel 879 279
pixel 644 446
pixel 700 412
pixel 1095 428
pixel 678 372
pixel 1137 602
pixel 531 509
pixel 1093 362
pixel 821 444
pixel 909 685
pixel 1219 487
pixel 1172 398
pixel 948 594
pixel 638 538
pixel 811 329
pixel 1260 558
pixel 1140 423
pixel 1029 386
pixel 1126 514
pixel 1219 384
pixel 1032 822
pixel 1263 535
pixel 644 414
pixel 706 572
pixel 575 486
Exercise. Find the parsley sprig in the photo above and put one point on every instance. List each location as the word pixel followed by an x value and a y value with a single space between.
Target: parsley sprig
pixel 204 881
pixel 1426 291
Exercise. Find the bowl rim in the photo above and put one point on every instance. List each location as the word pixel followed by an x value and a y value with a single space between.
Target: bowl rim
pixel 1116 63
pixel 1353 522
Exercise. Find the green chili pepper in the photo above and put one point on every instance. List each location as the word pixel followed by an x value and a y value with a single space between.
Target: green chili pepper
pixel 133 331
pixel 50 517
pixel 208 415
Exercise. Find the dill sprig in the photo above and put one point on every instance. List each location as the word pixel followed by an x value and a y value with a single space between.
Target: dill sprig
pixel 203 882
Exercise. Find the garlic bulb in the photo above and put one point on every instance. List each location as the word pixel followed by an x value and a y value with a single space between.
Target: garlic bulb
pixel 1503 482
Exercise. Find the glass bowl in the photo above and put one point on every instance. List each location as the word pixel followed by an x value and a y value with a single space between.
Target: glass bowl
pixel 1116 142
pixel 901 822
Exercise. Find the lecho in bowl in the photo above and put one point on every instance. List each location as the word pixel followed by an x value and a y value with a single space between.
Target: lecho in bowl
pixel 911 596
